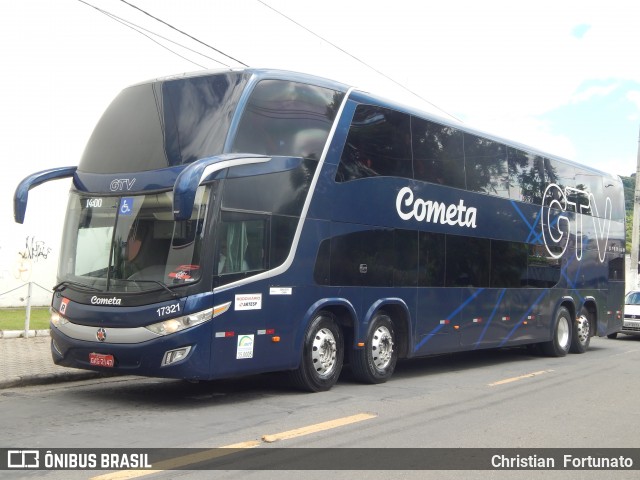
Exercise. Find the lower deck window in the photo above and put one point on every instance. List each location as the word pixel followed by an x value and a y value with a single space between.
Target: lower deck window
pixel 403 258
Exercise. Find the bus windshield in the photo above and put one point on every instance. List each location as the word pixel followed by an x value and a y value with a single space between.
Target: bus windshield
pixel 131 244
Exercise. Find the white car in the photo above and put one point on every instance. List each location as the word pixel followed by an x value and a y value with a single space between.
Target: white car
pixel 631 323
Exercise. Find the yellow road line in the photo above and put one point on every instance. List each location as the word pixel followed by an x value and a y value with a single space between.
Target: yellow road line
pixel 179 461
pixel 194 458
pixel 318 427
pixel 521 377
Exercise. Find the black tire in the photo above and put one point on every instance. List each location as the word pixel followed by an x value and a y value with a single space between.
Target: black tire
pixel 581 332
pixel 613 335
pixel 560 343
pixel 322 355
pixel 376 362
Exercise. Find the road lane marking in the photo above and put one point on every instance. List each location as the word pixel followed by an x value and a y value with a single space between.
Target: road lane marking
pixel 179 462
pixel 521 377
pixel 318 427
pixel 194 458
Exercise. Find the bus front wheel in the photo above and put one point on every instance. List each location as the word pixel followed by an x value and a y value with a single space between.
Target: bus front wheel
pixel 376 362
pixel 322 355
pixel 560 343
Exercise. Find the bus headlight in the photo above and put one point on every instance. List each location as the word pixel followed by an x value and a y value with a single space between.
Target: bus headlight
pixel 56 319
pixel 177 324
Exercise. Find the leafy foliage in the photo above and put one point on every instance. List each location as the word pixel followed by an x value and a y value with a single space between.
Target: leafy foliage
pixel 629 184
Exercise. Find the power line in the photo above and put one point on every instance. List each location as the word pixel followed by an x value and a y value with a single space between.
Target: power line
pixel 184 33
pixel 358 60
pixel 139 29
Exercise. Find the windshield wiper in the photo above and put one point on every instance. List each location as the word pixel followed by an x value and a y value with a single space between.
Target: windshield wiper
pixel 67 283
pixel 157 282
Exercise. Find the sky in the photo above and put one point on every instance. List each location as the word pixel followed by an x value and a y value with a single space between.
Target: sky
pixel 560 76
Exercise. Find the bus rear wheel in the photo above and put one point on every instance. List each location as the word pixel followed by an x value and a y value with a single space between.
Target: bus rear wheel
pixel 322 355
pixel 560 343
pixel 581 332
pixel 376 362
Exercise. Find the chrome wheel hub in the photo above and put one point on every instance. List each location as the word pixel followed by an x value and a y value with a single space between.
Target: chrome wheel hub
pixel 323 352
pixel 582 329
pixel 562 334
pixel 382 347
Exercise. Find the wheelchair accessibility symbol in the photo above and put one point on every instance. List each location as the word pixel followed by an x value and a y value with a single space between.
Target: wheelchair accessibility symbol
pixel 126 205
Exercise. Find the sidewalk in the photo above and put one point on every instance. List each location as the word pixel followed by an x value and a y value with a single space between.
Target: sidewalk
pixel 27 361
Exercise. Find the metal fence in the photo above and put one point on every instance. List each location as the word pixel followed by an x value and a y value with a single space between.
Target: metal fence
pixel 29 286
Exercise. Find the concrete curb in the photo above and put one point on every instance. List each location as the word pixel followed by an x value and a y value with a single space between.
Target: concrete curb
pixel 48 378
pixel 20 333
pixel 31 353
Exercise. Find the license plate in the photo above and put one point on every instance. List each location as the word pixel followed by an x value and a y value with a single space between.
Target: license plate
pixel 631 324
pixel 101 360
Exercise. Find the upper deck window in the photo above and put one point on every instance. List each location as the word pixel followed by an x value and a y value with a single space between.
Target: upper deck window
pixel 378 144
pixel 287 119
pixel 438 153
pixel 162 124
pixel 486 165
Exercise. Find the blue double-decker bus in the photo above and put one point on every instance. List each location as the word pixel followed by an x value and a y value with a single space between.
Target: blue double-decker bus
pixel 246 221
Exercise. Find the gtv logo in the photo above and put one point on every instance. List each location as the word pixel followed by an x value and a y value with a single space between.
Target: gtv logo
pixel 556 233
pixel 122 184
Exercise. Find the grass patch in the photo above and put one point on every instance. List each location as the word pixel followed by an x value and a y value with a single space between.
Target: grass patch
pixel 13 318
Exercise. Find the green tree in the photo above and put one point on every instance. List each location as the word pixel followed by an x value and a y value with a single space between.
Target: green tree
pixel 629 184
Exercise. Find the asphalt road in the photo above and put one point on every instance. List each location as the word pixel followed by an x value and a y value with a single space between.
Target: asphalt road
pixel 487 399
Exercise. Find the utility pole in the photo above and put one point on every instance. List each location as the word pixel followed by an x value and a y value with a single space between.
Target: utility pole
pixel 635 232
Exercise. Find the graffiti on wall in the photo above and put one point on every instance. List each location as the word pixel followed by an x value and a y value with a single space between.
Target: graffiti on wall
pixel 35 250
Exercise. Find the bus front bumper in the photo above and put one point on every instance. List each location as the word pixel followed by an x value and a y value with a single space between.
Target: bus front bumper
pixel 184 355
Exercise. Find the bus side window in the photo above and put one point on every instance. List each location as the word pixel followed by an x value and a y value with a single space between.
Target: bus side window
pixel 378 144
pixel 485 165
pixel 438 155
pixel 287 118
pixel 241 245
pixel 468 261
pixel 526 176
